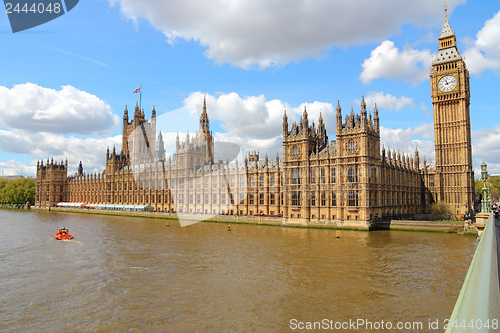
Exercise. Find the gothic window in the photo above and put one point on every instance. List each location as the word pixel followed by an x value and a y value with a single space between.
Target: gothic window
pixel 334 199
pixel 272 199
pixel 431 181
pixel 214 199
pixel 223 199
pixel 323 176
pixel 313 199
pixel 313 176
pixel 272 180
pixel 232 181
pixel 352 198
pixel 295 176
pixel 334 175
pixel 295 198
pixel 250 181
pixel 261 199
pixel 352 146
pixel 242 182
pixel 323 199
pixel 352 174
pixel 206 199
pixel 250 199
pixel 261 181
pixel 295 151
pixel 206 182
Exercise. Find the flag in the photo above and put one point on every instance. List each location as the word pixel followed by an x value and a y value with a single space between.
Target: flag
pixel 138 90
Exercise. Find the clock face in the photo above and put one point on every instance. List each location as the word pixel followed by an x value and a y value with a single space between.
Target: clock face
pixel 447 83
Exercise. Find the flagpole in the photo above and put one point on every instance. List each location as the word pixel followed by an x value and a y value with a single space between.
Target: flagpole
pixel 140 98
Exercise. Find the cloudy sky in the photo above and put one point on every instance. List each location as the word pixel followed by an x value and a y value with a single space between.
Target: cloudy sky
pixel 65 84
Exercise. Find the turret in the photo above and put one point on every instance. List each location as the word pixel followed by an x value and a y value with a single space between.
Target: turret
pixel 363 110
pixel 339 117
pixel 285 126
pixel 204 122
pixel 376 124
pixel 305 122
pixel 125 114
pixel 321 128
pixel 80 169
pixel 153 113
pixel 160 148
pixel 417 160
pixel 137 111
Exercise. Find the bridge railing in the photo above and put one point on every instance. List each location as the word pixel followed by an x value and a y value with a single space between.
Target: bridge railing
pixel 478 305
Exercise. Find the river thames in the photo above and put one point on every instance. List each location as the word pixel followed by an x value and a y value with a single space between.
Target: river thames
pixel 138 275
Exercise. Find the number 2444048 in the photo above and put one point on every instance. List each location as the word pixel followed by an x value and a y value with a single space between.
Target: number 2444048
pixel 34 8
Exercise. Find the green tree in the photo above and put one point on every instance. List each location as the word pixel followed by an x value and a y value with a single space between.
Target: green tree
pixel 17 192
pixel 495 188
pixel 441 208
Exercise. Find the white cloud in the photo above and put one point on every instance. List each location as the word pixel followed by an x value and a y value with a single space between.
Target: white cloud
pixel 37 120
pixel 484 54
pixel 387 101
pixel 91 151
pixel 11 168
pixel 254 116
pixel 34 108
pixel 406 140
pixel 387 61
pixel 486 146
pixel 268 33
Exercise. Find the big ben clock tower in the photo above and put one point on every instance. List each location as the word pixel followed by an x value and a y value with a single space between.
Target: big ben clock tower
pixel 454 180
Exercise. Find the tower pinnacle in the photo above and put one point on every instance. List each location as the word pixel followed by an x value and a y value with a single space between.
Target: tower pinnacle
pixel 447 31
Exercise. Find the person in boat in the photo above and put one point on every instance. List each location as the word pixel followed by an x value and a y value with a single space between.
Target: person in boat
pixel 228 228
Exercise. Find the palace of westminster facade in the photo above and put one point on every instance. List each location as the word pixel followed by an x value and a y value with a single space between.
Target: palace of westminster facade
pixel 351 180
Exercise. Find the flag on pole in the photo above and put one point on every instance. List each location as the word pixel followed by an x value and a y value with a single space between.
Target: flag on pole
pixel 138 90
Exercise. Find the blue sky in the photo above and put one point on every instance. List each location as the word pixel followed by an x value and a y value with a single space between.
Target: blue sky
pixel 65 84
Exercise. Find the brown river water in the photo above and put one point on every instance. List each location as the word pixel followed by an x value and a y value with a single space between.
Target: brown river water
pixel 123 274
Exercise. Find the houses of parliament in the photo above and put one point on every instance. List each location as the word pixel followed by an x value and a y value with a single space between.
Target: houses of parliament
pixel 351 180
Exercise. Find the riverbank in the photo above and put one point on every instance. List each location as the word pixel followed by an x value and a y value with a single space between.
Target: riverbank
pixel 400 225
pixel 15 206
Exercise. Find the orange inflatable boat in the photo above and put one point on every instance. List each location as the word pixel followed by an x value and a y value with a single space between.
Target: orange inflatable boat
pixel 63 234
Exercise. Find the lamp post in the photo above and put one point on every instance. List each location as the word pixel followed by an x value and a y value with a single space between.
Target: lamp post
pixel 486 201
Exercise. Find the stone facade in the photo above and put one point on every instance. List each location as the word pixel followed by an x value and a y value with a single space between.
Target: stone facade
pixel 349 181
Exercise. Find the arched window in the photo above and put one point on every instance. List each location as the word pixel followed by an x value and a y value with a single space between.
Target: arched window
pixel 352 146
pixel 352 174
pixel 295 151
